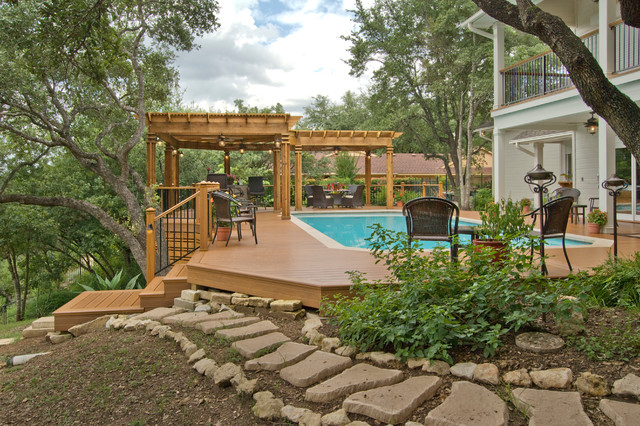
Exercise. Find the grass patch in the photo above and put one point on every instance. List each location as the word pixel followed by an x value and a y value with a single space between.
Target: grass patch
pixel 13 329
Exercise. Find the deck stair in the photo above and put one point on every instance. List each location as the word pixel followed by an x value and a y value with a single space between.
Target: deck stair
pixel 162 290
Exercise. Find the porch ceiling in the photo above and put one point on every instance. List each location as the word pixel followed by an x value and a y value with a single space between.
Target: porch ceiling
pixel 256 132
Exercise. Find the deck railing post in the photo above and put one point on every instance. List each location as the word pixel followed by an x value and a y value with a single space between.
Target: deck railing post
pixel 424 188
pixel 151 244
pixel 203 211
pixel 440 190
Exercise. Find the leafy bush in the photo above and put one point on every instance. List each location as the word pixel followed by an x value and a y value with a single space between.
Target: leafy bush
pixel 427 304
pixel 45 304
pixel 618 343
pixel 614 283
pixel 115 283
pixel 503 222
pixel 482 197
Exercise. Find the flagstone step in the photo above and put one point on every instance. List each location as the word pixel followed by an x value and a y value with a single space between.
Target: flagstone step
pixel 247 332
pixel 180 318
pixel 360 377
pixel 544 407
pixel 317 366
pixel 210 327
pixel 43 323
pixel 287 354
pixel 157 314
pixel 250 348
pixel 394 403
pixel 224 315
pixel 468 404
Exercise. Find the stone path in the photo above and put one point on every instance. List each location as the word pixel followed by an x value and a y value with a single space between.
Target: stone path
pixel 379 391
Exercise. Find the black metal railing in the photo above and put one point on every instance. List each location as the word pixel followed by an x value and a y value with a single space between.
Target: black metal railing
pixel 627 47
pixel 176 233
pixel 169 196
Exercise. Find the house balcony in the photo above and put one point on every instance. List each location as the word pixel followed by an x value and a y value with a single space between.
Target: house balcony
pixel 544 74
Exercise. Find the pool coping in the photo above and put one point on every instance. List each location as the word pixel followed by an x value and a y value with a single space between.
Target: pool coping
pixel 333 244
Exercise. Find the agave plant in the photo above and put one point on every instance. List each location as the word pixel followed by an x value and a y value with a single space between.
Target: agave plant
pixel 115 283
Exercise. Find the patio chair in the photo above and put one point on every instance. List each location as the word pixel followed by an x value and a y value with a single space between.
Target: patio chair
pixel 565 192
pixel 221 178
pixel 320 199
pixel 228 210
pixel 309 193
pixel 353 199
pixel 556 216
pixel 433 219
pixel 257 190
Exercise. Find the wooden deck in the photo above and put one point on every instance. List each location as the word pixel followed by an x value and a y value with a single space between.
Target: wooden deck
pixel 289 263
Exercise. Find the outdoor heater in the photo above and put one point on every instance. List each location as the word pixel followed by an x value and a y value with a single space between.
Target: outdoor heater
pixel 614 185
pixel 539 180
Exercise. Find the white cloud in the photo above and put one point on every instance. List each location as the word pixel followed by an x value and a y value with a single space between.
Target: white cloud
pixel 268 51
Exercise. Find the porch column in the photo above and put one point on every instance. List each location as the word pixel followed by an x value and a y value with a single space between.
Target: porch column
pixel 367 178
pixel 389 176
pixel 276 180
pixel 606 167
pixel 168 166
pixel 227 163
pixel 298 178
pixel 286 178
pixel 499 185
pixel 498 64
pixel 606 40
pixel 151 159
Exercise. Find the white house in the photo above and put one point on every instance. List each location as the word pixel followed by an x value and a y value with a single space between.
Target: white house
pixel 539 117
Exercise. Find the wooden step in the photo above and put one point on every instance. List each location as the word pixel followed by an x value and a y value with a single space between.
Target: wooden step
pixel 90 305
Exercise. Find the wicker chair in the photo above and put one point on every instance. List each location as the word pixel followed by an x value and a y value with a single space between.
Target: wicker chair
pixel 433 219
pixel 320 199
pixel 353 199
pixel 556 216
pixel 221 178
pixel 565 192
pixel 308 191
pixel 228 211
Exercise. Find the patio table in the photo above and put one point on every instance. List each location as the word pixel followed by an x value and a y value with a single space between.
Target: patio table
pixel 337 195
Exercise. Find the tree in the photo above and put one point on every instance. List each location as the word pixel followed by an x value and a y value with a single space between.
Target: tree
pixel 83 92
pixel 351 113
pixel 430 75
pixel 620 112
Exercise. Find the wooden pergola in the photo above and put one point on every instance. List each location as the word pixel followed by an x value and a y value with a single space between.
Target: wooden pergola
pixel 259 132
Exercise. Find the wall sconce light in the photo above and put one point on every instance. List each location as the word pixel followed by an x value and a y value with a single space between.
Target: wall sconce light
pixel 158 141
pixel 336 149
pixel 277 143
pixel 592 124
pixel 175 152
pixel 226 155
pixel 368 154
pixel 242 149
pixel 181 154
pixel 221 140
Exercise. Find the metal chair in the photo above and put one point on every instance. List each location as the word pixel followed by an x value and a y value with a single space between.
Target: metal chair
pixel 433 219
pixel 353 199
pixel 228 211
pixel 556 216
pixel 320 199
pixel 221 178
pixel 257 190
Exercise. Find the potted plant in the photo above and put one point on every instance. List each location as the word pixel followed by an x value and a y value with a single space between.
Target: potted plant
pixel 565 181
pixel 502 223
pixel 597 219
pixel 404 197
pixel 525 203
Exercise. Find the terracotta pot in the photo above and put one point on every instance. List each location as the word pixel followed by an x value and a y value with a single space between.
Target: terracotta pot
pixel 526 209
pixel 593 228
pixel 566 184
pixel 499 247
pixel 223 233
pixel 400 203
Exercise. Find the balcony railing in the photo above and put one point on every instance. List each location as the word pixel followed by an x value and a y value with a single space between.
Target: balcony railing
pixel 544 74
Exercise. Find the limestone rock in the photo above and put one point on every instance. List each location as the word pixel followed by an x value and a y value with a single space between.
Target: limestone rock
pixel 336 418
pixel 436 366
pixel 415 362
pixel 629 385
pixel 260 302
pixel 223 375
pixel 203 308
pixel 314 368
pixel 310 419
pixel 117 323
pixel 241 295
pixel 329 344
pixel 190 295
pixel 189 349
pixel 383 358
pixel 517 378
pixel 592 384
pixel 559 378
pixel 287 354
pixel 89 327
pixel 487 373
pixel 312 323
pixel 294 315
pixel 262 396
pixel 131 325
pixel 293 413
pixel 539 342
pixel 205 365
pixel 158 313
pixel 220 297
pixel 242 385
pixel 151 324
pixel 546 407
pixel 285 305
pixel 267 407
pixel 57 337
pixel 178 302
pixel 240 301
pixel 196 356
pixel 346 351
pixel 317 339
pixel 464 370
pixel 621 413
pixel 158 329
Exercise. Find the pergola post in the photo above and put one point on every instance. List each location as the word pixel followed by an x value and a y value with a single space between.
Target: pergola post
pixel 168 166
pixel 176 167
pixel 151 159
pixel 227 163
pixel 298 178
pixel 276 180
pixel 367 178
pixel 389 176
pixel 286 178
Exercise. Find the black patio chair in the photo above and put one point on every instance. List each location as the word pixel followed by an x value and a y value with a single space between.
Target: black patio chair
pixel 257 190
pixel 221 178
pixel 556 216
pixel 433 219
pixel 230 211
pixel 308 191
pixel 320 199
pixel 353 199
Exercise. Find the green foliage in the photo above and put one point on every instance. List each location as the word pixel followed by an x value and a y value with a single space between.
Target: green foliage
pixel 503 222
pixel 406 196
pixel 482 198
pixel 346 167
pixel 45 304
pixel 598 217
pixel 115 283
pixel 614 283
pixel 428 304
pixel 621 343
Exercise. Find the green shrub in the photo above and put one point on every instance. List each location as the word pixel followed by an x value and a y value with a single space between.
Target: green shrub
pixel 116 283
pixel 482 197
pixel 617 343
pixel 614 283
pixel 432 304
pixel 47 303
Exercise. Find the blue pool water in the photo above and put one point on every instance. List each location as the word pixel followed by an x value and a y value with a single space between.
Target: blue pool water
pixel 351 229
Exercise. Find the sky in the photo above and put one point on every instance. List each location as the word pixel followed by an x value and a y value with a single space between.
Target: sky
pixel 270 51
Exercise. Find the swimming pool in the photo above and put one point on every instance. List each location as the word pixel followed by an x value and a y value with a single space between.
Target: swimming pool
pixel 351 229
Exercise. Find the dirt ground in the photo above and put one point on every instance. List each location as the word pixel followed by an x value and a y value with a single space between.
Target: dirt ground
pixel 132 378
